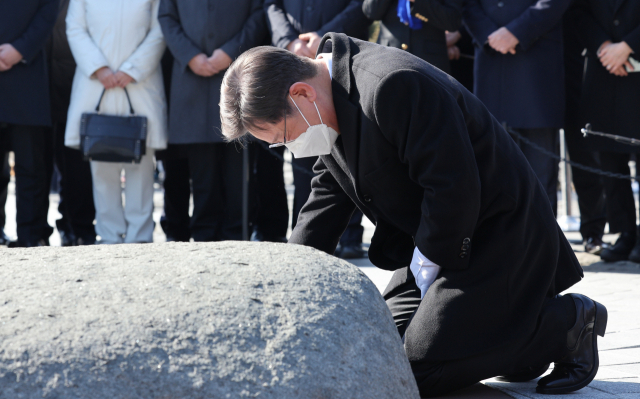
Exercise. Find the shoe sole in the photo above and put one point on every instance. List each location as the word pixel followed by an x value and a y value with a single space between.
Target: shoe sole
pixel 524 377
pixel 599 327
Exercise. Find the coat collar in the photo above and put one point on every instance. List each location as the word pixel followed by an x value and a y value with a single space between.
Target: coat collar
pixel 347 113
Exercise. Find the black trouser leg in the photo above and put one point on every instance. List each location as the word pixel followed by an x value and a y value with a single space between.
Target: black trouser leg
pixel 273 216
pixel 206 181
pixel 177 192
pixel 231 170
pixel 353 234
pixel 620 203
pixel 5 178
pixel 76 193
pixel 545 168
pixel 302 183
pixel 590 191
pixel 32 185
pixel 546 343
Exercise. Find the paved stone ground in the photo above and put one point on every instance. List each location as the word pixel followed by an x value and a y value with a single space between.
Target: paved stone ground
pixel 617 285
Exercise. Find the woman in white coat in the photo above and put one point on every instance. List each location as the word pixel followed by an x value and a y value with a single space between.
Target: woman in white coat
pixel 119 43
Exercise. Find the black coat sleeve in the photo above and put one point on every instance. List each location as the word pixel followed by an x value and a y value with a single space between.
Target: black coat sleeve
pixel 32 41
pixel 537 20
pixel 182 48
pixel 591 33
pixel 442 14
pixel 375 9
pixel 428 129
pixel 351 21
pixel 478 23
pixel 252 34
pixel 282 32
pixel 325 215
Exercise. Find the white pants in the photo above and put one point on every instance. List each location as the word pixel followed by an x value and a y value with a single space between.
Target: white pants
pixel 131 222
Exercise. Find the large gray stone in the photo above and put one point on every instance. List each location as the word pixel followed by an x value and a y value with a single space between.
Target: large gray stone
pixel 217 320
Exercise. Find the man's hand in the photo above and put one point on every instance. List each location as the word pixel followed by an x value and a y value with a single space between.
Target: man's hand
pixel 201 66
pixel 503 41
pixel 219 60
pixel 313 41
pixel 106 76
pixel 615 56
pixel 122 79
pixel 452 38
pixel 300 48
pixel 9 56
pixel 453 52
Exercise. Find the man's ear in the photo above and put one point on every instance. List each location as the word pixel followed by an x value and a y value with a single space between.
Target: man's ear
pixel 302 90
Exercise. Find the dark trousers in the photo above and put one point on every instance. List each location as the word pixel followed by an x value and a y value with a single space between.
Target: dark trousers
pixel 272 218
pixel 177 192
pixel 353 234
pixel 216 182
pixel 76 192
pixel 620 203
pixel 32 185
pixel 302 175
pixel 590 190
pixel 545 168
pixel 5 178
pixel 543 345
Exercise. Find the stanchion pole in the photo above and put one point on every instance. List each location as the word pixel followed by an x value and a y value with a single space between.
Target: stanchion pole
pixel 245 193
pixel 567 222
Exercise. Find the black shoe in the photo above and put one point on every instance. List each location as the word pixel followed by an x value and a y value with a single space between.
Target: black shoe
pixel 594 245
pixel 85 241
pixel 578 367
pixel 621 249
pixel 43 242
pixel 528 374
pixel 351 252
pixel 634 256
pixel 259 237
pixel 67 239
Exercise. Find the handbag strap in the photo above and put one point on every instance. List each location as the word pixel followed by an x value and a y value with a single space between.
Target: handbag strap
pixel 128 99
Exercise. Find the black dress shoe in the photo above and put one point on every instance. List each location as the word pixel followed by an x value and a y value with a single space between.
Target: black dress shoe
pixel 67 239
pixel 578 367
pixel 43 242
pixel 528 374
pixel 594 245
pixel 621 249
pixel 634 255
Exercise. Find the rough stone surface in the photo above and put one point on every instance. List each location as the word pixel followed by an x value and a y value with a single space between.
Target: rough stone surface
pixel 215 320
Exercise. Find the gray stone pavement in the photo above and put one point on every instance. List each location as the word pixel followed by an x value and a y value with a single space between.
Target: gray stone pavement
pixel 616 285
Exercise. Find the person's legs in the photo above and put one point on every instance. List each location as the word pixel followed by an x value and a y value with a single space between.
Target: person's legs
pixel 177 192
pixel 206 180
pixel 302 175
pixel 107 196
pixel 32 185
pixel 351 240
pixel 5 178
pixel 545 168
pixel 138 200
pixel 231 169
pixel 273 216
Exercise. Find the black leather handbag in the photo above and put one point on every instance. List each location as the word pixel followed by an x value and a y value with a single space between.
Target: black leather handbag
pixel 110 138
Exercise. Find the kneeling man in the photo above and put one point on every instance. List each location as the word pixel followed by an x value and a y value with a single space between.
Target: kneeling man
pixel 459 213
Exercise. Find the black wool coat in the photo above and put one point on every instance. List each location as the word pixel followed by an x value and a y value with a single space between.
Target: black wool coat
pixel 62 66
pixel 428 164
pixel 202 26
pixel 525 89
pixel 24 89
pixel 429 42
pixel 610 103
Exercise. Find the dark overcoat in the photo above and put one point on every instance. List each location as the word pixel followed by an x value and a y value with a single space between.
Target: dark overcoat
pixel 24 89
pixel 429 42
pixel 288 18
pixel 610 103
pixel 62 66
pixel 428 164
pixel 202 26
pixel 526 90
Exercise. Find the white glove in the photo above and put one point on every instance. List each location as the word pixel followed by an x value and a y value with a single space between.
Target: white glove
pixel 424 271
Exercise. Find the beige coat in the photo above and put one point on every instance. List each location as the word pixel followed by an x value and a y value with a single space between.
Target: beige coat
pixel 125 36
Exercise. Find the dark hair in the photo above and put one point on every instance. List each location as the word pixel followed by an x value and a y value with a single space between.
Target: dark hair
pixel 255 87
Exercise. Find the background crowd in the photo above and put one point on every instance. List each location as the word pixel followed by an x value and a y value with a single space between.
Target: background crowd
pixel 538 66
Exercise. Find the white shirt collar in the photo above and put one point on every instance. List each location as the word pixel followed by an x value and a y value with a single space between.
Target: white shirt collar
pixel 328 60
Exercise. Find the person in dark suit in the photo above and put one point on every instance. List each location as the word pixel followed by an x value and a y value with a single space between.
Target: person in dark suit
pixel 25 110
pixel 204 36
pixel 610 102
pixel 427 40
pixel 451 196
pixel 589 186
pixel 298 26
pixel 519 73
pixel 76 193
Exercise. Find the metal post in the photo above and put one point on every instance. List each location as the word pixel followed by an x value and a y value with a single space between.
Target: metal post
pixel 245 193
pixel 567 222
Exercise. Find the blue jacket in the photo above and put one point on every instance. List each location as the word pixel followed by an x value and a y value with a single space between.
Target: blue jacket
pixel 24 89
pixel 526 90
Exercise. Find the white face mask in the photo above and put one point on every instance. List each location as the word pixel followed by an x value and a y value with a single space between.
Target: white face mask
pixel 316 140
